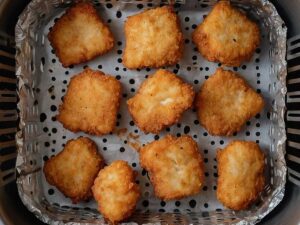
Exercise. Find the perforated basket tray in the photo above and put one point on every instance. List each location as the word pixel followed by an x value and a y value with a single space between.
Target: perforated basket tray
pixel 43 82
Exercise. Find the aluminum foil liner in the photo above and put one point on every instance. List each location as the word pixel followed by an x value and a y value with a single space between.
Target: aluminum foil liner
pixel 42 82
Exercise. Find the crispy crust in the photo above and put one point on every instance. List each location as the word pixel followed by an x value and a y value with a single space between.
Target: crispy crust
pixel 175 166
pixel 241 174
pixel 80 35
pixel 74 169
pixel 225 102
pixel 226 35
pixel 153 39
pixel 91 103
pixel 116 192
pixel 160 101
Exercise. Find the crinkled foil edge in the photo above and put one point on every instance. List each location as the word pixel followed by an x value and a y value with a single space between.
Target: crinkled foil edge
pixel 279 110
pixel 23 74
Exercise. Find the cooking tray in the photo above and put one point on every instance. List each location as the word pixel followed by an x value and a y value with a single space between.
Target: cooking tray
pixel 42 82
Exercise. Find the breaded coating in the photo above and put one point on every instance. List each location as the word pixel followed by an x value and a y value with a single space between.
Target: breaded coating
pixel 241 174
pixel 226 35
pixel 74 169
pixel 91 103
pixel 153 39
pixel 80 35
pixel 160 101
pixel 116 192
pixel 175 166
pixel 225 102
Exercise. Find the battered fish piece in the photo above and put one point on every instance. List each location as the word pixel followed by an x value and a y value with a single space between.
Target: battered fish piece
pixel 116 192
pixel 225 102
pixel 226 35
pixel 80 35
pixel 175 166
pixel 160 101
pixel 74 169
pixel 153 39
pixel 241 174
pixel 91 103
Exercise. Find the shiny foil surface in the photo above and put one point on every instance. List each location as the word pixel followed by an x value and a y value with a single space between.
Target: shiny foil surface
pixel 42 82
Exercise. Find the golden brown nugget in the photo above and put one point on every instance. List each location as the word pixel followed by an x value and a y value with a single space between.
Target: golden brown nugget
pixel 225 102
pixel 91 103
pixel 241 174
pixel 80 35
pixel 116 192
pixel 175 166
pixel 153 39
pixel 160 101
pixel 226 35
pixel 74 169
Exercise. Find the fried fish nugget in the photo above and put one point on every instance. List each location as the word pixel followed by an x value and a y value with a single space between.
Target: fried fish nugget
pixel 116 192
pixel 227 35
pixel 175 166
pixel 91 103
pixel 80 35
pixel 74 169
pixel 225 102
pixel 160 101
pixel 241 174
pixel 153 39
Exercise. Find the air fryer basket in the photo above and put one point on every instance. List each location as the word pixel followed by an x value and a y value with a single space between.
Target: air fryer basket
pixel 12 210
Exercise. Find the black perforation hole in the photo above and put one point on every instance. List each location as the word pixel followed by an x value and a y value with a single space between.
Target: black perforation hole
pixel 50 191
pixel 139 6
pixel 186 129
pixel 192 203
pixel 43 117
pixel 144 172
pixel 119 14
